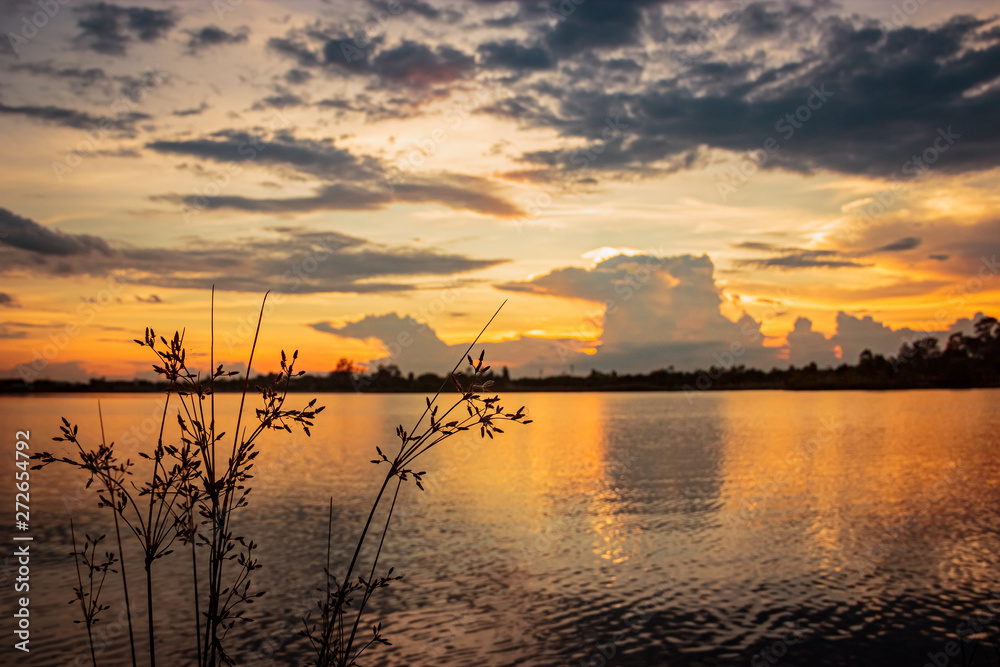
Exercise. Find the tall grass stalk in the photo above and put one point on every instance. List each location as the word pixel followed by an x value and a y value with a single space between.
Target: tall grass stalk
pixel 192 491
pixel 90 596
pixel 121 552
pixel 189 488
pixel 334 637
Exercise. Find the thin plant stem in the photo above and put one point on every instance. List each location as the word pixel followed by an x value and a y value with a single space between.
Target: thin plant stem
pixel 149 612
pixel 121 552
pixel 83 602
pixel 194 572
pixel 371 576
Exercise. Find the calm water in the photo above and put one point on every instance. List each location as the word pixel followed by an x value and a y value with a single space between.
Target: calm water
pixel 830 528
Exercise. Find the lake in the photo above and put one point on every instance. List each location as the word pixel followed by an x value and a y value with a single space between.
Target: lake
pixel 720 528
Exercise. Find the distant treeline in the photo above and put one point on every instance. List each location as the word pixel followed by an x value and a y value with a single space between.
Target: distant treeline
pixel 965 361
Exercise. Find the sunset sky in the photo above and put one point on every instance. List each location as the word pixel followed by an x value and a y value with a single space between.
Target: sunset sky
pixel 648 183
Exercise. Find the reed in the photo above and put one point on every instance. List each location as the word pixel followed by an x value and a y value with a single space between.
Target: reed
pixel 89 596
pixel 194 485
pixel 334 635
pixel 192 489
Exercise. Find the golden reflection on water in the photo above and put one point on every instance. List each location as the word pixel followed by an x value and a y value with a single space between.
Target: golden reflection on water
pixel 898 463
pixel 742 507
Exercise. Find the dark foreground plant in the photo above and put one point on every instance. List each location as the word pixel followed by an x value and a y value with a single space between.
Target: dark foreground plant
pixel 193 489
pixel 89 596
pixel 194 485
pixel 334 635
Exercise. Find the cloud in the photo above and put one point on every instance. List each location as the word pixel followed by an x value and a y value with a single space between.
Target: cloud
pixel 415 347
pixel 409 64
pixel 287 259
pixel 906 243
pixel 281 101
pixel 860 101
pixel 416 65
pixel 857 334
pixel 803 260
pixel 654 312
pixel 123 123
pixel 509 54
pixel 422 9
pixel 8 301
pixel 953 250
pixel 193 111
pixel 790 258
pixel 297 76
pixel 807 346
pixel 110 29
pixel 353 182
pixel 79 79
pixel 26 234
pixel 595 24
pixel 295 49
pixel 214 36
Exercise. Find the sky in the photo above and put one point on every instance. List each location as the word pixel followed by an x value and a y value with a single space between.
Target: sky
pixel 644 183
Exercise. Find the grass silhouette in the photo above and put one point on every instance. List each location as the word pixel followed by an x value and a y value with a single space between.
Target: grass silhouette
pixel 192 487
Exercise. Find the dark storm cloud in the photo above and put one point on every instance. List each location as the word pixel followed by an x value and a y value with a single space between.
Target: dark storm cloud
pixel 423 9
pixel 509 54
pixel 214 36
pixel 859 102
pixel 293 48
pixel 409 64
pixel 109 29
pixel 417 65
pixel 596 24
pixel 25 234
pixel 288 259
